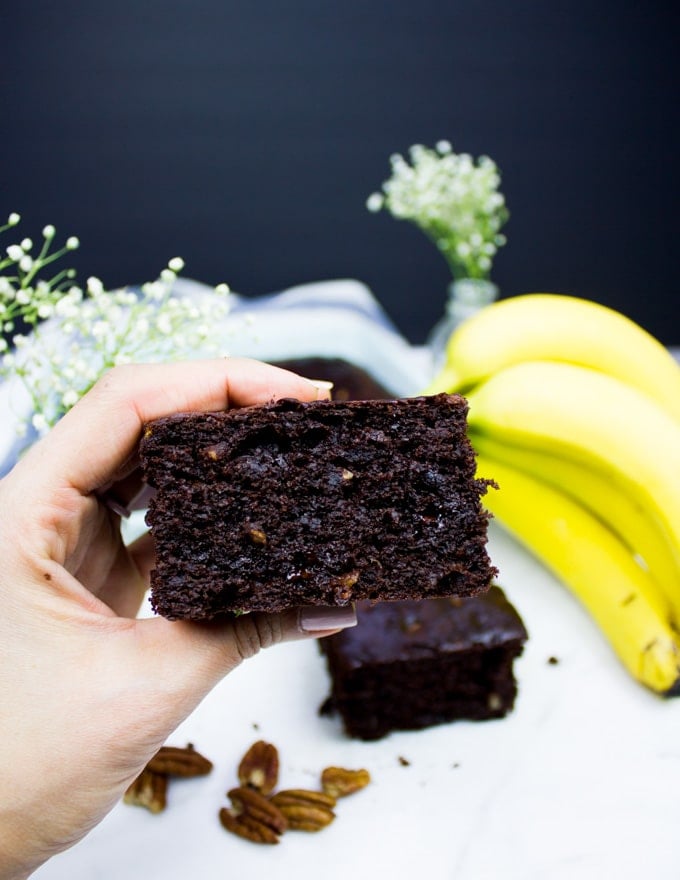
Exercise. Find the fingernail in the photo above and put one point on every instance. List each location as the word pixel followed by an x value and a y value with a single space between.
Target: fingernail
pixel 139 502
pixel 114 505
pixel 317 618
pixel 142 498
pixel 323 388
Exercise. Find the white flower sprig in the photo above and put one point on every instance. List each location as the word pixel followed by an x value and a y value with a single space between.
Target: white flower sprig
pixel 453 199
pixel 69 336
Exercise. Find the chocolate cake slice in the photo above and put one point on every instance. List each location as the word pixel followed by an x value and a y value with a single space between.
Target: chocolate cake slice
pixel 409 665
pixel 323 503
pixel 350 382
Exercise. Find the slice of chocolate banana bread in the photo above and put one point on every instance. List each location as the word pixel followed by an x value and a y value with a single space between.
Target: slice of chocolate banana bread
pixel 409 665
pixel 323 503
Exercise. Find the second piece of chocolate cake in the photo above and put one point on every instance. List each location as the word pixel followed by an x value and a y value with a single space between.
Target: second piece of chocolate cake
pixel 323 503
pixel 409 665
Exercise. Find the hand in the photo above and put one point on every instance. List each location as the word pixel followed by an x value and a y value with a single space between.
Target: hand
pixel 88 693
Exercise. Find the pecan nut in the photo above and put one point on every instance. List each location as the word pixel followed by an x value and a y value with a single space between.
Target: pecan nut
pixel 174 761
pixel 305 810
pixel 149 790
pixel 259 767
pixel 252 816
pixel 339 782
pixel 248 828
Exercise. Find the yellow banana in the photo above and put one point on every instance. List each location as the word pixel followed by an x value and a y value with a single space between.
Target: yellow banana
pixel 596 567
pixel 591 418
pixel 544 326
pixel 618 510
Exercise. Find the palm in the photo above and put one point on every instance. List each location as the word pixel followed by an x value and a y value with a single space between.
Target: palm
pixel 91 549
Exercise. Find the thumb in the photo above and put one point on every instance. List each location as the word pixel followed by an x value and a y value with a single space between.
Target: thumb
pixel 186 659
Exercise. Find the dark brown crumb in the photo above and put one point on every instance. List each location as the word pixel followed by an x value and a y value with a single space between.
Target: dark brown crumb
pixel 553 661
pixel 404 761
pixel 322 503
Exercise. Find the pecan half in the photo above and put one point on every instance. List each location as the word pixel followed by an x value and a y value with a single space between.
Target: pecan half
pixel 248 828
pixel 339 782
pixel 174 761
pixel 259 767
pixel 149 790
pixel 305 810
pixel 252 816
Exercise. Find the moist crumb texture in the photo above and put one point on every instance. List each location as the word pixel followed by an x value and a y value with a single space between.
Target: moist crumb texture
pixel 323 503
pixel 413 664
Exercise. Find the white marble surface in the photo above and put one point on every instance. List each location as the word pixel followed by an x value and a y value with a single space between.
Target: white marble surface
pixel 578 783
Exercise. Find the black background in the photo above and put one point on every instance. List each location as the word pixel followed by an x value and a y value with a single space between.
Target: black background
pixel 246 136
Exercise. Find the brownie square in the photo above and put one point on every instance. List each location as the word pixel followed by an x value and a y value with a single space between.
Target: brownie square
pixel 413 664
pixel 323 503
pixel 349 381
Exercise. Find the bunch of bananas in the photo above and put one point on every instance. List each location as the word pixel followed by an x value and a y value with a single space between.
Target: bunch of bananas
pixel 575 413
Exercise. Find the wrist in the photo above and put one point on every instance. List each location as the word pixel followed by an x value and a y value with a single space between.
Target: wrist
pixel 16 860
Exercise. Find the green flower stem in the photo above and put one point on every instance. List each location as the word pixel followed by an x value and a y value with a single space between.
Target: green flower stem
pixel 40 264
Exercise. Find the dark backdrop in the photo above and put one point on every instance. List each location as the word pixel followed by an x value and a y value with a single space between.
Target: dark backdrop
pixel 246 136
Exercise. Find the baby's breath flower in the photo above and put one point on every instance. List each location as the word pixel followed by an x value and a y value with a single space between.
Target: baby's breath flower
pixel 453 199
pixel 94 286
pixel 70 398
pixel 45 310
pixel 164 325
pixel 40 423
pixel 14 252
pixel 87 332
pixel 154 290
pixel 13 219
pixel 375 202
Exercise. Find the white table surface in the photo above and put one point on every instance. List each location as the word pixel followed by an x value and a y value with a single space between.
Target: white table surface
pixel 579 783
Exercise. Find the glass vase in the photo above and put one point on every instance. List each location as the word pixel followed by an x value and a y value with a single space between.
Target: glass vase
pixel 466 296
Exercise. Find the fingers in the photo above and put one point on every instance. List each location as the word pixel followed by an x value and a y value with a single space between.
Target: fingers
pixel 94 443
pixel 194 657
pixel 122 498
pixel 143 552
pixel 128 578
